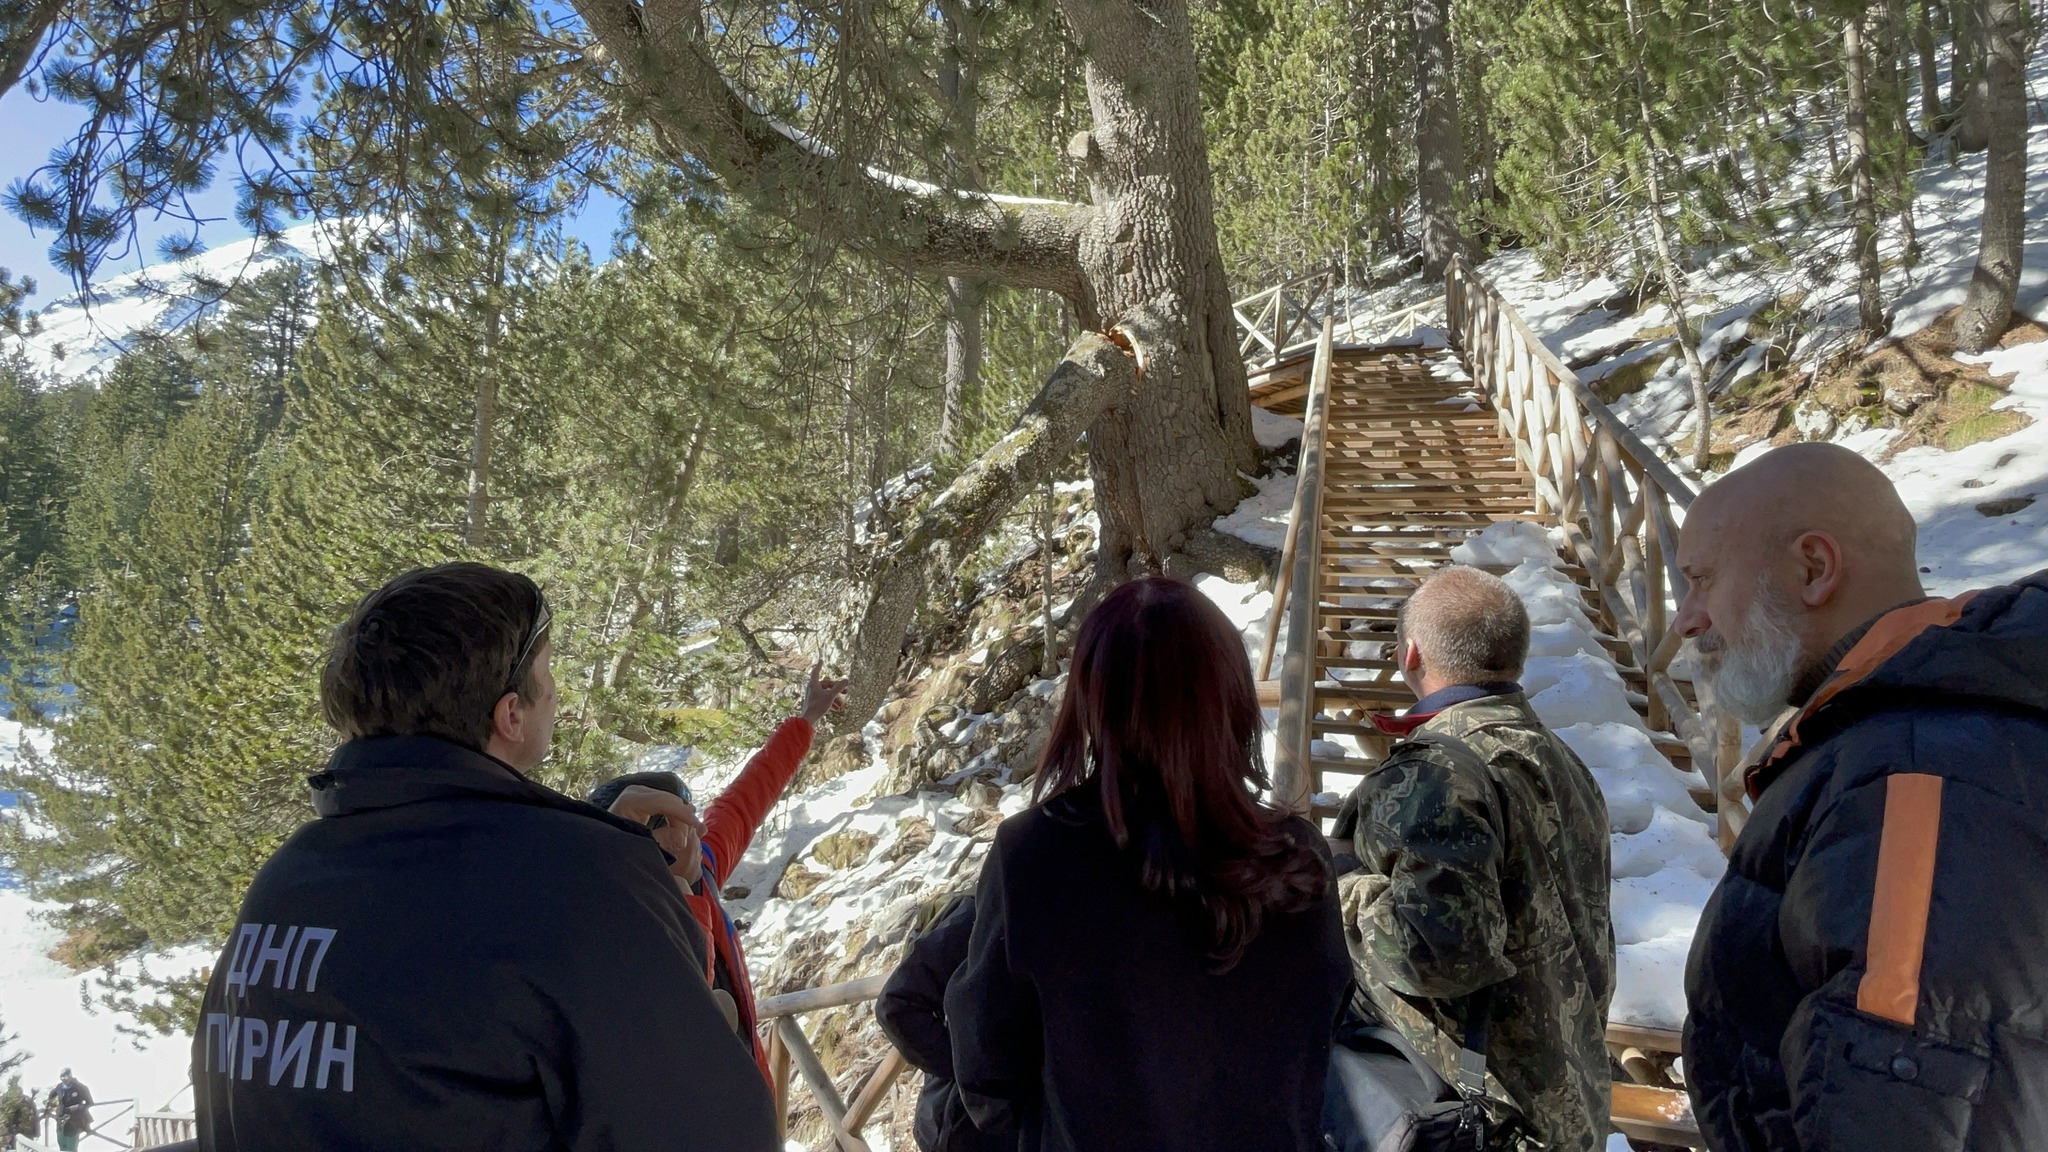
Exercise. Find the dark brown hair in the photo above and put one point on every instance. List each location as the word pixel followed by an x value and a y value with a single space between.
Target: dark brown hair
pixel 431 653
pixel 1161 715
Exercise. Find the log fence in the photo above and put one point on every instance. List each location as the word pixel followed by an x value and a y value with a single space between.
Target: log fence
pixel 1618 502
pixel 791 1058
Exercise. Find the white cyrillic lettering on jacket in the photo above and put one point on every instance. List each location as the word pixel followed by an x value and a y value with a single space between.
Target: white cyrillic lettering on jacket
pixel 221 1025
pixel 272 956
pixel 325 936
pixel 255 1042
pixel 245 953
pixel 295 1053
pixel 344 1055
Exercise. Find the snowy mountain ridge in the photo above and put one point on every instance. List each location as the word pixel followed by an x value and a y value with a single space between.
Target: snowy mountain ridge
pixel 83 334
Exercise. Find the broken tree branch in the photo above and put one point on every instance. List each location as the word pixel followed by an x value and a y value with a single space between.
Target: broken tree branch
pixel 1095 374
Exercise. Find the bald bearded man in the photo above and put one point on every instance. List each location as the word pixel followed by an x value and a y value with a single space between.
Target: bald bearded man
pixel 1869 974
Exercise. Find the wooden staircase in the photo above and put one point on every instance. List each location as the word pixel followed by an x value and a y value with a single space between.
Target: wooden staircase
pixel 1406 453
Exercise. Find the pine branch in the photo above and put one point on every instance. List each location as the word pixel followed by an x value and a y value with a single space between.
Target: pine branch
pixel 660 54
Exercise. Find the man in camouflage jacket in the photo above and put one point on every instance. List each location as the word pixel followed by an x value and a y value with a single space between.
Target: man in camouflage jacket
pixel 1484 867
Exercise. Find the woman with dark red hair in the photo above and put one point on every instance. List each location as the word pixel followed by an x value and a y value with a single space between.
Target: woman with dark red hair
pixel 1156 961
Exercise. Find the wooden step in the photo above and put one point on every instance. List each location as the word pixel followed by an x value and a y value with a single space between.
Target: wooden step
pixel 1655 1115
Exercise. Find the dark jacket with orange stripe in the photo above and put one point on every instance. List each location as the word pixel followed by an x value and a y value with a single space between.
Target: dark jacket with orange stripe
pixel 1870 973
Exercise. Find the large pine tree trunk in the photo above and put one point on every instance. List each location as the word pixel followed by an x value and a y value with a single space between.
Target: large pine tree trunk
pixel 1166 456
pixel 1988 307
pixel 1166 461
pixel 1926 49
pixel 1439 151
pixel 962 378
pixel 1862 194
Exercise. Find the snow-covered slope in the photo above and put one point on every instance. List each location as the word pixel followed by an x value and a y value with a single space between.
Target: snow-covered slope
pixel 1965 541
pixel 83 334
pixel 48 1011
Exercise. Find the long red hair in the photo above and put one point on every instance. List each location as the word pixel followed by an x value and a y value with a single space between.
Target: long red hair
pixel 1161 716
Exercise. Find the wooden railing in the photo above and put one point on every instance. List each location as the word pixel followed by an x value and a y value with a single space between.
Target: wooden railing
pixel 1300 569
pixel 1279 322
pixel 1615 497
pixel 156 1129
pixel 789 1049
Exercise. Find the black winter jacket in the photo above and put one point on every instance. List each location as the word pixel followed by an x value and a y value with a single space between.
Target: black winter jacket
pixel 1088 1012
pixel 912 1013
pixel 454 957
pixel 1869 975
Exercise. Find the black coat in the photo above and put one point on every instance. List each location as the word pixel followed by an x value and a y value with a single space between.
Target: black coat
pixel 1089 1012
pixel 912 1013
pixel 1869 973
pixel 454 957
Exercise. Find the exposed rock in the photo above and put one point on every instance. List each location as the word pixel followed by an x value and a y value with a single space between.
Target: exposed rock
pixel 843 849
pixel 798 882
pixel 2005 507
pixel 1813 421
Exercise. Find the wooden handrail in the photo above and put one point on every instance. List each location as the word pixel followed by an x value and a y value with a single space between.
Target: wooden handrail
pixel 817 999
pixel 789 1050
pixel 1271 319
pixel 1616 498
pixel 1292 770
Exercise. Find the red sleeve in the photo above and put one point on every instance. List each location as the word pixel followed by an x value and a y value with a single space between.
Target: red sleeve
pixel 732 819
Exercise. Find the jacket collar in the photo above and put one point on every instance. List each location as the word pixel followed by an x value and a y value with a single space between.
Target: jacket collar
pixel 1426 708
pixel 1857 656
pixel 392 771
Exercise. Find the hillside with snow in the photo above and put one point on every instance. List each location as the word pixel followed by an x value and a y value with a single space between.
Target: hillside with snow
pixel 82 335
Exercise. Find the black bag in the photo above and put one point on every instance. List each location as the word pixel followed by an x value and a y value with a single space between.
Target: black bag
pixel 1381 1095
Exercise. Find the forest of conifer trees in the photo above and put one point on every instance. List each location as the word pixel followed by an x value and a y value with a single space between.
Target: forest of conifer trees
pixel 859 238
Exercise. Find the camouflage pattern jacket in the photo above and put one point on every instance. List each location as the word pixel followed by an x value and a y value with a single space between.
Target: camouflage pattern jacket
pixel 1454 895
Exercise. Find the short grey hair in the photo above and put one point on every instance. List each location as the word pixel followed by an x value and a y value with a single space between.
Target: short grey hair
pixel 1470 625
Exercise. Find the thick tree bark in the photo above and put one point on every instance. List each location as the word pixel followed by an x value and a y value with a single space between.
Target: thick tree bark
pixel 1862 195
pixel 2000 245
pixel 658 51
pixel 1169 460
pixel 959 85
pixel 1162 463
pixel 22 28
pixel 962 378
pixel 1095 375
pixel 1927 50
pixel 1439 151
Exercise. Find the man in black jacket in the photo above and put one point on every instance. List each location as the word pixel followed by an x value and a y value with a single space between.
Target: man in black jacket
pixel 453 956
pixel 912 1013
pixel 1867 975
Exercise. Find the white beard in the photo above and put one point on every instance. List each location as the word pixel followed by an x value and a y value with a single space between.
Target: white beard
pixel 1754 669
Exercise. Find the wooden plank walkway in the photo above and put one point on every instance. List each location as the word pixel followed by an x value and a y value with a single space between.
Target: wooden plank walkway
pixel 1414 461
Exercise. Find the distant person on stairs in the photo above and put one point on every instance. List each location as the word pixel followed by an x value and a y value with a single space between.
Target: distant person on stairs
pixel 706 850
pixel 1869 973
pixel 1156 963
pixel 451 955
pixel 70 1103
pixel 912 1013
pixel 1473 873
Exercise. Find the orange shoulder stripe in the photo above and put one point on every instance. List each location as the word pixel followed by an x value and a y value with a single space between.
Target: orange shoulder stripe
pixel 1902 897
pixel 1885 639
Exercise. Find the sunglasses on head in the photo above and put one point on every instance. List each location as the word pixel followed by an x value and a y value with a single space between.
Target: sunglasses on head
pixel 541 620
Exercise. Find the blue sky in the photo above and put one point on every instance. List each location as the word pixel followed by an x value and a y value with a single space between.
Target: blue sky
pixel 30 129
